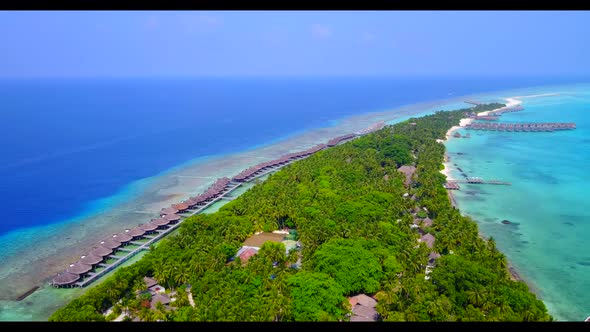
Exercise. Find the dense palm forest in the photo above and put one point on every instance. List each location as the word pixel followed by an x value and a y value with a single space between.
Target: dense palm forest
pixel 353 216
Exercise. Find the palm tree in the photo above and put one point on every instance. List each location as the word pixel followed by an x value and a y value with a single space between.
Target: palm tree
pixel 476 296
pixel 182 275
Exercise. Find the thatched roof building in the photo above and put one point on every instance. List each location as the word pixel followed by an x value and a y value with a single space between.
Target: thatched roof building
pixel 169 210
pixel 90 259
pixel 428 239
pixel 180 207
pixel 162 298
pixel 149 282
pixel 433 256
pixel 101 251
pixel 365 300
pixel 65 278
pixel 148 227
pixel 135 232
pixel 427 222
pixel 79 268
pixel 160 222
pixel 408 171
pixel 110 244
pixel 123 237
pixel 363 313
pixel 171 217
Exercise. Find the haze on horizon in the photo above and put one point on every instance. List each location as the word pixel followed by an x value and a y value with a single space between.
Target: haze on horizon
pixel 293 43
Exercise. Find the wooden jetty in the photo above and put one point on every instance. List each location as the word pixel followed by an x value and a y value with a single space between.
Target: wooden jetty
pixel 485 118
pixel 522 127
pixel 473 102
pixel 143 236
pixel 473 180
pixel 451 185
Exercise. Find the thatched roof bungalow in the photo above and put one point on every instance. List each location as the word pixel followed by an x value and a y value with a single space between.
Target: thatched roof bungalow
pixel 408 171
pixel 110 244
pixel 169 210
pixel 149 282
pixel 162 298
pixel 90 259
pixel 433 256
pixel 427 222
pixel 136 232
pixel 181 207
pixel 428 239
pixel 172 217
pixel 101 251
pixel 65 279
pixel 160 222
pixel 149 227
pixel 364 313
pixel 122 237
pixel 79 268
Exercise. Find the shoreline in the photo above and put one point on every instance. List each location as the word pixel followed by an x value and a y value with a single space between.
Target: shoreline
pixel 511 102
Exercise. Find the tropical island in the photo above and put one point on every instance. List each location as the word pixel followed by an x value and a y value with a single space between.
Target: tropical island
pixel 376 238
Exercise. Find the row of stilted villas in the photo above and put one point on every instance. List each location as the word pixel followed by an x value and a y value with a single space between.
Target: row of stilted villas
pixel 98 257
pixel 548 126
pixel 336 140
pixel 253 171
pixel 372 128
pixel 88 265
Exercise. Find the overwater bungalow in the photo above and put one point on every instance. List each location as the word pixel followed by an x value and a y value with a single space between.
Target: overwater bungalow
pixel 191 203
pixel 79 268
pixel 181 207
pixel 172 218
pixel 65 279
pixel 101 251
pixel 136 233
pixel 149 228
pixel 110 244
pixel 160 222
pixel 90 259
pixel 169 210
pixel 122 238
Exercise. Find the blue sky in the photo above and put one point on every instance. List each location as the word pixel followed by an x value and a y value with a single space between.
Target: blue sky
pixel 293 43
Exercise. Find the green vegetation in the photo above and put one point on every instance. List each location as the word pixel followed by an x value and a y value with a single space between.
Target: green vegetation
pixel 353 220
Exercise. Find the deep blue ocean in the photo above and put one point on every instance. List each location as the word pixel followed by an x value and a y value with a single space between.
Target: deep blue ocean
pixel 66 143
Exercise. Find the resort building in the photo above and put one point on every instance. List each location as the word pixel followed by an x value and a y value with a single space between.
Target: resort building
pixel 408 171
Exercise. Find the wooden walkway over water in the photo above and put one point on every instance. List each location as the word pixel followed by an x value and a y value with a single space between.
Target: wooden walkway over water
pixel 123 254
pixel 521 127
pixel 454 184
pixel 170 218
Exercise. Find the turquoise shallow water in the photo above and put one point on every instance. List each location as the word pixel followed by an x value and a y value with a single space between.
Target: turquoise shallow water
pixel 548 200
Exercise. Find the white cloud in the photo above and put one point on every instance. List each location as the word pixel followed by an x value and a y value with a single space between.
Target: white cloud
pixel 320 31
